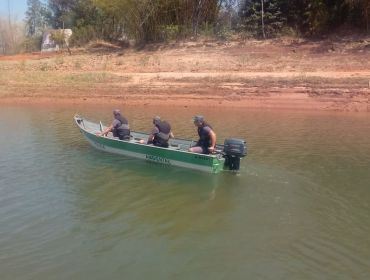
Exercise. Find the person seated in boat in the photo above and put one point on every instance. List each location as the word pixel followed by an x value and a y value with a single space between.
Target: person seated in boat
pixel 161 133
pixel 119 127
pixel 207 137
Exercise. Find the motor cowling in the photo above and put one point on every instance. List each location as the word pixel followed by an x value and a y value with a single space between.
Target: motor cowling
pixel 234 150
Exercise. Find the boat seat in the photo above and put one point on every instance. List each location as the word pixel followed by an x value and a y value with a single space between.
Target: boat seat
pixel 174 147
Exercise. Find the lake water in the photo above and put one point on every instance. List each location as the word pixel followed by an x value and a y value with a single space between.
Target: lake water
pixel 299 209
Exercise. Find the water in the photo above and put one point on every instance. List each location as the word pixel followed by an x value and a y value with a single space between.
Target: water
pixel 300 208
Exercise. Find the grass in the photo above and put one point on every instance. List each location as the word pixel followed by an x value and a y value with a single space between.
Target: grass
pixel 243 60
pixel 42 76
pixel 77 65
pixel 59 60
pixel 22 66
pixel 44 66
pixel 144 61
pixel 120 62
pixel 85 71
pixel 45 71
pixel 94 77
pixel 104 65
pixel 294 81
pixel 156 61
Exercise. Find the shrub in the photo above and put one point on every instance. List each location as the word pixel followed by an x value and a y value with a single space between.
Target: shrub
pixel 31 44
pixel 83 35
pixel 170 32
pixel 58 37
pixel 44 66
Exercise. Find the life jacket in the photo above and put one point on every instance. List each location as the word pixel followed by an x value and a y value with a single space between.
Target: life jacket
pixel 204 137
pixel 161 138
pixel 122 131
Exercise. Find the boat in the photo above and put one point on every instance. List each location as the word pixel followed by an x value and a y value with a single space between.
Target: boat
pixel 226 157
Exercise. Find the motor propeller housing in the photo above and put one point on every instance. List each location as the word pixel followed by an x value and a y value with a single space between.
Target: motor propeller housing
pixel 234 150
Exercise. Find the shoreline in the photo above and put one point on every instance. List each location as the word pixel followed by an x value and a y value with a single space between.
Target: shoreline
pixel 280 102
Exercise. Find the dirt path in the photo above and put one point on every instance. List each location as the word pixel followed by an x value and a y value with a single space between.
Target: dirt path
pixel 177 75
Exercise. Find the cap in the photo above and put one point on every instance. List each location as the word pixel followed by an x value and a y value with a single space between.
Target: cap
pixel 198 119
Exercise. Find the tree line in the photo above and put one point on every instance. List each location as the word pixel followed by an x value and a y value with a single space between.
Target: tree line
pixel 161 20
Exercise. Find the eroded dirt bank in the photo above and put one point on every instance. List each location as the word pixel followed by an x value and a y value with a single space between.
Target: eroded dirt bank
pixel 283 74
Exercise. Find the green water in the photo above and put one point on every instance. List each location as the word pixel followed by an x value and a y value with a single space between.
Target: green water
pixel 300 208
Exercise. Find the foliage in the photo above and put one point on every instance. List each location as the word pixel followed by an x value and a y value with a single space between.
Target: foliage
pixel 11 35
pixel 146 20
pixel 267 26
pixel 32 44
pixel 61 13
pixel 83 35
pixel 164 20
pixel 58 37
pixel 36 17
pixel 360 10
pixel 317 16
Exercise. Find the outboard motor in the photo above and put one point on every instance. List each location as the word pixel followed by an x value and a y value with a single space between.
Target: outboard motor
pixel 234 150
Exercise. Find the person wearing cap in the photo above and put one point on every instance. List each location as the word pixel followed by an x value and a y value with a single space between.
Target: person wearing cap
pixel 207 138
pixel 119 127
pixel 161 133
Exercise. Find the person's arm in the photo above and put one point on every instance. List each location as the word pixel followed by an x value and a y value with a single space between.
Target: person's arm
pixel 105 131
pixel 150 139
pixel 171 135
pixel 154 131
pixel 213 141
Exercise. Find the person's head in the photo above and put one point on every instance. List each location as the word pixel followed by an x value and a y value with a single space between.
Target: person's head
pixel 198 121
pixel 156 120
pixel 116 113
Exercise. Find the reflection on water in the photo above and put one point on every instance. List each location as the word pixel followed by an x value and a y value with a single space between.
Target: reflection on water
pixel 298 210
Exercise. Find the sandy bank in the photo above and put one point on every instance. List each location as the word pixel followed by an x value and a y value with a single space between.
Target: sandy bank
pixel 269 74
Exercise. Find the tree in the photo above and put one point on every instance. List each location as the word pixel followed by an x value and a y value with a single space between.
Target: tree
pixel 203 11
pixel 262 18
pixel 317 16
pixel 364 7
pixel 36 17
pixel 11 35
pixel 61 13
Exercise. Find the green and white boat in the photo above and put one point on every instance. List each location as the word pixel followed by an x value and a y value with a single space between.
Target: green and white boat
pixel 227 156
